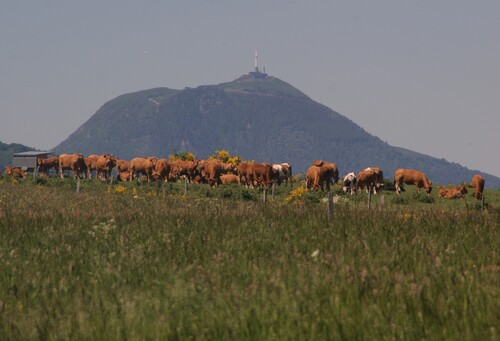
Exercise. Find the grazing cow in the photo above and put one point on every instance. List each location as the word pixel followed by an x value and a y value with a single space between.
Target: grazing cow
pixel 478 184
pixel 350 182
pixel 16 172
pixel 199 176
pixel 367 178
pixel 144 165
pixel 74 162
pixel 321 172
pixel 379 179
pixel 411 177
pixel 162 170
pixel 230 179
pixel 453 193
pixel 104 166
pixel 44 165
pixel 261 174
pixel 284 172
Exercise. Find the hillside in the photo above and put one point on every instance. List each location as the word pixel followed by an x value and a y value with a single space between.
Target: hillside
pixel 6 151
pixel 258 118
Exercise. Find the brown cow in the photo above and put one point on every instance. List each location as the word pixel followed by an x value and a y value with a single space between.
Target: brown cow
pixel 185 168
pixel 261 174
pixel 162 170
pixel 199 176
pixel 104 166
pixel 144 165
pixel 123 176
pixel 244 176
pixel 91 164
pixel 453 193
pixel 379 181
pixel 321 172
pixel 74 162
pixel 44 165
pixel 411 177
pixel 16 172
pixel 213 171
pixel 367 178
pixel 478 184
pixel 122 165
pixel 230 179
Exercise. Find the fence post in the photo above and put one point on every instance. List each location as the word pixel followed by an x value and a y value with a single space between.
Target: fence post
pixel 369 198
pixel 382 201
pixel 272 191
pixel 78 185
pixel 185 186
pixel 482 202
pixel 330 206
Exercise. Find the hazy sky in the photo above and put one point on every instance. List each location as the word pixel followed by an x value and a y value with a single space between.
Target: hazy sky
pixel 424 75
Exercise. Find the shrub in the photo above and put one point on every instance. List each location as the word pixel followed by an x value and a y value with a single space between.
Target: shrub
pixel 184 156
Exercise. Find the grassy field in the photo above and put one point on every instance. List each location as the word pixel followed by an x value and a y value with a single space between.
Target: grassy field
pixel 146 262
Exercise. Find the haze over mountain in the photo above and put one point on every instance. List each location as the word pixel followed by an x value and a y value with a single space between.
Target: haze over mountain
pixel 257 117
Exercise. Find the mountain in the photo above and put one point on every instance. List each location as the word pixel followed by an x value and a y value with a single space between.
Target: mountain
pixel 6 151
pixel 257 117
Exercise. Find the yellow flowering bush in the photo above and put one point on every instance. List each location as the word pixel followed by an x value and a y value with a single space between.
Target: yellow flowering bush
pixel 296 195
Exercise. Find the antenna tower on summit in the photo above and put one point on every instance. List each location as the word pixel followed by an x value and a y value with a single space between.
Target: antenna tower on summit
pixel 257 73
pixel 256 61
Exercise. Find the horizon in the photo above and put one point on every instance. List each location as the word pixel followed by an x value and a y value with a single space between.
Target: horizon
pixel 418 76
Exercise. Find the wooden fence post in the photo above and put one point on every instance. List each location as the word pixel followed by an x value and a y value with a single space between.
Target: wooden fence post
pixel 482 202
pixel 382 201
pixel 185 186
pixel 330 206
pixel 272 191
pixel 369 198
pixel 78 185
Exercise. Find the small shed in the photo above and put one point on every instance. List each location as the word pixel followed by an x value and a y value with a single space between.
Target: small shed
pixel 28 161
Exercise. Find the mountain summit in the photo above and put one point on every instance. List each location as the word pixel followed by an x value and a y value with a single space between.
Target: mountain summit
pixel 256 116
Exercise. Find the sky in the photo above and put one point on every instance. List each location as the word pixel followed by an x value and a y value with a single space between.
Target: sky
pixel 422 75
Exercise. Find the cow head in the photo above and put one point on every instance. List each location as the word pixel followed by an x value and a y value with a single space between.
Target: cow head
pixel 463 189
pixel 156 175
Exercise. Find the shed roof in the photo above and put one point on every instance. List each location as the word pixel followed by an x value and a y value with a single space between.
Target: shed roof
pixel 33 153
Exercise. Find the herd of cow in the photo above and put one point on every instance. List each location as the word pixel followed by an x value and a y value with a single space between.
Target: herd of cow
pixel 251 174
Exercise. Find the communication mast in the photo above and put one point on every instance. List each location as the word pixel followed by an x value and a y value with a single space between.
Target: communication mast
pixel 257 73
pixel 256 61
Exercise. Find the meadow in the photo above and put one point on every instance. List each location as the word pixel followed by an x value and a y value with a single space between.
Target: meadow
pixel 144 261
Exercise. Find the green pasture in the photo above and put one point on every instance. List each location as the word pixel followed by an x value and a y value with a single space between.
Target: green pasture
pixel 144 261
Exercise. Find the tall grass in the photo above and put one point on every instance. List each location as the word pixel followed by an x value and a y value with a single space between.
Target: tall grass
pixel 153 264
